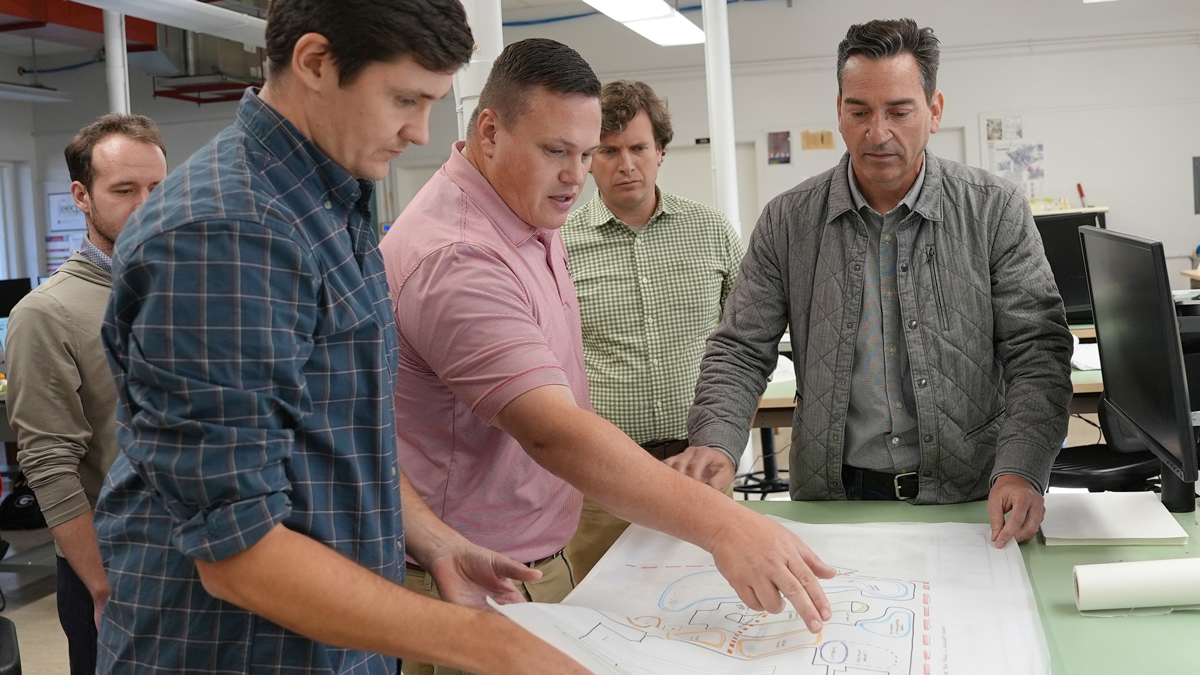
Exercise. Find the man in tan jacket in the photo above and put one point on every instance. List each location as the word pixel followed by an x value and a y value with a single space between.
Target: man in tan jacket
pixel 61 399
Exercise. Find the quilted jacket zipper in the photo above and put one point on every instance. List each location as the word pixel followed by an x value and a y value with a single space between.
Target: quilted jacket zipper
pixel 939 300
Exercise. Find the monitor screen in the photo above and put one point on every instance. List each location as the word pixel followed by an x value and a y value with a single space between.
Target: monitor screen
pixel 11 292
pixel 1060 238
pixel 1140 353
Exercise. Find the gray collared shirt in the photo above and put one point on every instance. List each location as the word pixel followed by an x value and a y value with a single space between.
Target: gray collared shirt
pixel 94 255
pixel 881 426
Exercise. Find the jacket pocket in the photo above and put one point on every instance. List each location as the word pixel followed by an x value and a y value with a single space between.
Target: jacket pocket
pixel 992 424
pixel 938 298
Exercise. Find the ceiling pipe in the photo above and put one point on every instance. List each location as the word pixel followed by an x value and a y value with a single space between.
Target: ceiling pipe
pixel 194 16
pixel 116 64
pixel 486 26
pixel 720 110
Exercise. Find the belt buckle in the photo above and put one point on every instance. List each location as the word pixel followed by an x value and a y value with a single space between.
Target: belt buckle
pixel 896 484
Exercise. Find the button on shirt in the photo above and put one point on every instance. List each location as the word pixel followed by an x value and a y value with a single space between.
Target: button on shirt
pixel 649 297
pixel 255 353
pixel 486 312
pixel 881 423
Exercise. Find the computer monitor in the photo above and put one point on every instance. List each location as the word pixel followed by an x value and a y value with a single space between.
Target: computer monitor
pixel 1141 357
pixel 1060 238
pixel 11 292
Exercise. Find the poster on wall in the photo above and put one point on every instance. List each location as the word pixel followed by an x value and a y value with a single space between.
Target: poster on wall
pixel 59 247
pixel 1020 161
pixel 64 216
pixel 779 147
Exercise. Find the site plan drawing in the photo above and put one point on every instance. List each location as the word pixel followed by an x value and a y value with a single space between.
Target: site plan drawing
pixel 908 599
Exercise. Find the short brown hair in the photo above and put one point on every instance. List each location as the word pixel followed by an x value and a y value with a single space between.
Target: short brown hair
pixel 360 32
pixel 523 67
pixel 622 100
pixel 886 38
pixel 79 150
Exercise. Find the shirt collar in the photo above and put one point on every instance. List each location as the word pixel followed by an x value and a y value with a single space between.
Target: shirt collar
pixel 909 201
pixel 477 188
pixel 94 255
pixel 601 215
pixel 289 145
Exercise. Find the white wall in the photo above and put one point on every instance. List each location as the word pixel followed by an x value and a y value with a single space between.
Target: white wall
pixel 185 126
pixel 1112 89
pixel 18 244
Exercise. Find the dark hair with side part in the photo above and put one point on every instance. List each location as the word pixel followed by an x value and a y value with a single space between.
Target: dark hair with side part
pixel 79 150
pixel 360 32
pixel 885 38
pixel 622 100
pixel 525 66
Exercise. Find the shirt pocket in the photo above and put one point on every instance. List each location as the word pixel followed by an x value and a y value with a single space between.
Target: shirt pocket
pixel 348 304
pixel 692 292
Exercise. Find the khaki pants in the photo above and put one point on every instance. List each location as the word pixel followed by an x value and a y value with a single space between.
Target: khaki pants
pixel 556 582
pixel 598 531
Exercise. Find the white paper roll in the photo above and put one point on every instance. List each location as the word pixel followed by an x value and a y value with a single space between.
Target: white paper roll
pixel 1146 583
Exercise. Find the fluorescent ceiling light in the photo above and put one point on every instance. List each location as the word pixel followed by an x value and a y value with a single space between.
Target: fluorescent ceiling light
pixel 1091 1
pixel 654 20
pixel 32 94
pixel 668 31
pixel 632 10
pixel 192 15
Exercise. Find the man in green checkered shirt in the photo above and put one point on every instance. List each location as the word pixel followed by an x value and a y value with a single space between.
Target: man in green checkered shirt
pixel 652 271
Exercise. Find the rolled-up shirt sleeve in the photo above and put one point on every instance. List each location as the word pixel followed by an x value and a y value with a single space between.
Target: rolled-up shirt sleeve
pixel 467 316
pixel 212 323
pixel 44 407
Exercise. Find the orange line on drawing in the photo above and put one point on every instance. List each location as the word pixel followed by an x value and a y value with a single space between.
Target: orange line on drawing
pixel 926 598
pixel 926 611
pixel 926 640
pixel 926 624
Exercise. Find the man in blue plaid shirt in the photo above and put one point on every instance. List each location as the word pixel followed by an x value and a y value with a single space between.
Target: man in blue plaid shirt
pixel 252 522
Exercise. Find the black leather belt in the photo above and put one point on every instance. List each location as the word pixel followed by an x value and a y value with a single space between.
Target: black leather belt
pixel 901 487
pixel 535 563
pixel 664 449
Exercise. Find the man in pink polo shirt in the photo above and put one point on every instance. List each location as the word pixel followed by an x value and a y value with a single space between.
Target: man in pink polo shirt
pixel 493 415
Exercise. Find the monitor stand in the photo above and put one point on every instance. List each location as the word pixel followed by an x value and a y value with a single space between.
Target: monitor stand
pixel 1178 496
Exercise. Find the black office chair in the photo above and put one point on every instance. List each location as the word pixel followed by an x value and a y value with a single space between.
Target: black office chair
pixel 10 655
pixel 1122 464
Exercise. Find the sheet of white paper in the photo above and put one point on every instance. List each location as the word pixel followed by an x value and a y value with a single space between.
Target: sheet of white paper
pixel 1109 518
pixel 910 599
pixel 1086 356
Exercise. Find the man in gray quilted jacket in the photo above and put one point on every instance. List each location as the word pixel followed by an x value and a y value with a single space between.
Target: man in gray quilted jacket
pixel 931 349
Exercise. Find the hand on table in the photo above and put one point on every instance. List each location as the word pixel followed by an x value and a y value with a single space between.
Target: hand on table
pixel 762 559
pixel 707 465
pixel 470 574
pixel 1024 505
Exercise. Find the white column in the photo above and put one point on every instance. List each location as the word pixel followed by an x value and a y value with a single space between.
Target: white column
pixel 720 109
pixel 486 26
pixel 116 65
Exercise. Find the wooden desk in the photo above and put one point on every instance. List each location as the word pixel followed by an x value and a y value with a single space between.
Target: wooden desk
pixel 1193 277
pixel 1156 645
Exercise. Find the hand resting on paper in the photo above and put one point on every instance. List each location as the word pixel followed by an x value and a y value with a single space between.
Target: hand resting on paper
pixel 1014 495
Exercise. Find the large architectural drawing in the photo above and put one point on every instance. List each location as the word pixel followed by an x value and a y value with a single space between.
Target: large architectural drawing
pixel 656 606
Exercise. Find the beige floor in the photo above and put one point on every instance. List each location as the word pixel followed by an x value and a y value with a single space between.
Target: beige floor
pixel 31 605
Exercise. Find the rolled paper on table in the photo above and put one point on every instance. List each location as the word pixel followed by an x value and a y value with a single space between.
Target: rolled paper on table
pixel 1144 583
